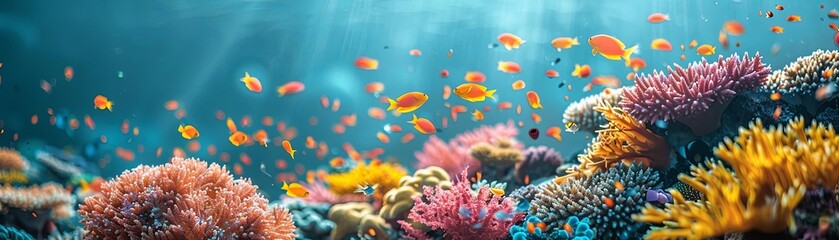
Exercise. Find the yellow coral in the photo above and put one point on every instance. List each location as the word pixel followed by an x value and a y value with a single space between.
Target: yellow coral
pixel 501 153
pixel 625 140
pixel 12 176
pixel 386 175
pixel 774 167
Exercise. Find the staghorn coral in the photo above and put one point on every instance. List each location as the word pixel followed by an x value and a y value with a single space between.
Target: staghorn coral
pixel 386 175
pixel 183 199
pixel 805 75
pixel 441 209
pixel 538 162
pixel 12 233
pixel 11 159
pixel 624 140
pixel 582 112
pixel 454 156
pixel 399 200
pixel 695 95
pixel 766 188
pixel 358 218
pixel 585 197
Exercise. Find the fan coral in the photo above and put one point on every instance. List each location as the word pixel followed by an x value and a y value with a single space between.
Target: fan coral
pixel 582 112
pixel 10 159
pixel 386 175
pixel 358 218
pixel 695 95
pixel 587 197
pixel 805 75
pixel 460 214
pixel 624 140
pixel 183 199
pixel 310 219
pixel 11 233
pixel 399 200
pixel 765 189
pixel 538 162
pixel 454 156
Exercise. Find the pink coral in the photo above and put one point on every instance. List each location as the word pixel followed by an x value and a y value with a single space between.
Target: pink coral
pixel 455 155
pixel 461 214
pixel 695 95
pixel 319 193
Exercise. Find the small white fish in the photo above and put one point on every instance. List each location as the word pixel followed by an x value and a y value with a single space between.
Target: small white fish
pixel 572 127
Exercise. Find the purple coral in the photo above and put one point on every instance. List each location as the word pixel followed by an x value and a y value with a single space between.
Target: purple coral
pixel 444 210
pixel 695 95
pixel 538 162
pixel 455 155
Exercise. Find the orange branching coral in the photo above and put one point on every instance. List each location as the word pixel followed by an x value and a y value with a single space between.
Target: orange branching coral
pixel 11 159
pixel 774 167
pixel 184 199
pixel 625 140
pixel 386 175
pixel 48 196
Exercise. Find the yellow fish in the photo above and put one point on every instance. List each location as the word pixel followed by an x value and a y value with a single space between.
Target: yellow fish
pixel 705 50
pixel 295 190
pixel 408 102
pixel 288 149
pixel 497 191
pixel 474 92
pixel 477 115
pixel 188 131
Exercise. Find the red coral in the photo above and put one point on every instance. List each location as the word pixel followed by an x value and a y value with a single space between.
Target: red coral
pixel 442 211
pixel 455 155
pixel 185 199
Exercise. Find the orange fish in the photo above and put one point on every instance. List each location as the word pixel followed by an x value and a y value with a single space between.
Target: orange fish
pixel 606 81
pixel 618 185
pixel 253 84
pixel 583 71
pixel 661 44
pixel 777 113
pixel 775 96
pixel 554 132
pixel 68 73
pixel 610 47
pixel 509 67
pixel 609 202
pixel 550 73
pixel 456 110
pixel 637 64
pixel 310 142
pixel 408 102
pixel 723 38
pixel 827 73
pixel 382 137
pixel 769 14
pixel 295 190
pixel 477 115
pixel 101 102
pixel 423 125
pixel 833 26
pixel 474 92
pixel 476 77
pixel 238 138
pixel 693 44
pixel 188 131
pixel 231 126
pixel 734 27
pixel 658 18
pixel 536 118
pixel 366 63
pixel 415 52
pixel 291 88
pixel 533 100
pixel 510 41
pixel 288 149
pixel 777 29
pixel 262 137
pixel 374 87
pixel 564 43
pixel 705 50
pixel 793 18
pixel 779 7
pixel 518 85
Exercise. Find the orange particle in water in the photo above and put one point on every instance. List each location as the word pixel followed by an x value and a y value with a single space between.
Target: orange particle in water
pixel 661 44
pixel 237 169
pixel 89 122
pixel 231 126
pixel 193 146
pixel 536 118
pixel 521 124
pixel 245 159
pixel 267 121
pixel 504 105
pixel 383 137
pixel 415 52
pixel 224 157
pixel 658 18
pixel 775 96
pixel 171 105
pixel 34 119
pixel 292 87
pixel 374 87
pixel 519 85
pixel 280 126
pixel 683 57
pixel 609 202
pixel 445 122
pixel 447 92
pixel 46 86
pixel 246 121
pixel 313 121
pixel 281 164
pixel 734 27
pixel 125 154
pixel 777 113
pixel 551 73
pixel 136 131
pixel 212 150
pixel 338 129
pixel 366 63
pixel 376 113
pixel 310 177
pixel 474 77
pixel 103 139
pixel 74 124
pixel 630 76
pixel 457 109
pixel 349 120
pixel 324 101
pixel 310 142
pixel 518 109
pixel 336 104
pixel 68 73
pixel 159 150
pixel 180 114
pixel 395 128
pixel 178 152
pixel 408 137
pixel 290 133
pixel 14 137
pixel 219 115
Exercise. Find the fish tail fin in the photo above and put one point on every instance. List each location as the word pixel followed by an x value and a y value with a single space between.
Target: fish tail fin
pixel 576 72
pixel 292 153
pixel 285 186
pixel 413 121
pixel 109 105
pixel 392 104
pixel 629 52
pixel 575 41
pixel 181 128
pixel 490 93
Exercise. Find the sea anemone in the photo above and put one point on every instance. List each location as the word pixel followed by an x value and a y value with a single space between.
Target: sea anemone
pixel 805 75
pixel 183 199
pixel 386 175
pixel 582 112
pixel 696 95
pixel 455 156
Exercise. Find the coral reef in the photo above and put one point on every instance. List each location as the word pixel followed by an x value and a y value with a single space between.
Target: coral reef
pixel 624 140
pixel 460 214
pixel 817 206
pixel 591 197
pixel 61 168
pixel 12 233
pixel 582 112
pixel 497 159
pixel 527 192
pixel 766 188
pixel 183 199
pixel 310 219
pixel 386 175
pixel 538 162
pixel 11 159
pixel 358 218
pixel 34 209
pixel 399 200
pixel 805 75
pixel 695 95
pixel 454 156
pixel 319 193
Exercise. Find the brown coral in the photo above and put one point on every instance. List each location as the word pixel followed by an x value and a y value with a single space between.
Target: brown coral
pixel 47 196
pixel 184 199
pixel 359 218
pixel 401 199
pixel 10 159
pixel 623 140
pixel 499 154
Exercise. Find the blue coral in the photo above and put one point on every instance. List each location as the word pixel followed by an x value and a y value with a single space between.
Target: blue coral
pixel 310 219
pixel 12 233
pixel 581 230
pixel 521 233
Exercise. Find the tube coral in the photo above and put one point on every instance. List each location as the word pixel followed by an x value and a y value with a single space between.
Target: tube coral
pixel 460 214
pixel 454 156
pixel 805 75
pixel 765 189
pixel 624 140
pixel 696 95
pixel 582 112
pixel 386 175
pixel 598 198
pixel 183 199
pixel 399 200
pixel 11 159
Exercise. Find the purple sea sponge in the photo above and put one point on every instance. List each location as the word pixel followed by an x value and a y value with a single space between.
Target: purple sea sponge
pixel 696 95
pixel 538 162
